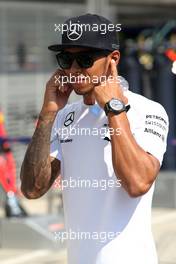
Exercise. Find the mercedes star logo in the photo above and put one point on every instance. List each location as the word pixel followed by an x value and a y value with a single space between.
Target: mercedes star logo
pixel 69 119
pixel 75 31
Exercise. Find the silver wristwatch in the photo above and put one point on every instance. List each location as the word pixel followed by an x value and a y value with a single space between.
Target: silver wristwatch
pixel 115 106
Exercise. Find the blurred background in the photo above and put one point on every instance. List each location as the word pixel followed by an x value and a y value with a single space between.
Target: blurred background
pixel 148 62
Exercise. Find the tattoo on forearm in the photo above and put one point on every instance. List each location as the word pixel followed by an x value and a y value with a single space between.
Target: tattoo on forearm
pixel 36 168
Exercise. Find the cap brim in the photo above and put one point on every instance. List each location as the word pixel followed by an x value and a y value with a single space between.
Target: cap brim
pixel 60 47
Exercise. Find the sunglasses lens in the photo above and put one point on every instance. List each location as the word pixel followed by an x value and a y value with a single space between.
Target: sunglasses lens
pixel 85 61
pixel 64 60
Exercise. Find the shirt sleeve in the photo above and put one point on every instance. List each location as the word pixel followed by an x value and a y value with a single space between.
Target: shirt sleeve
pixel 55 146
pixel 152 135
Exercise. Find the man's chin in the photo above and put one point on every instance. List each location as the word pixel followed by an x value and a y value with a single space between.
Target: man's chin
pixel 82 90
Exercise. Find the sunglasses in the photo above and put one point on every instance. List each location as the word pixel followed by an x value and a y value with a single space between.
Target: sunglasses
pixel 85 59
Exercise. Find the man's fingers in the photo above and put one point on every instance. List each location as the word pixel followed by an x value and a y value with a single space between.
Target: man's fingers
pixel 56 79
pixel 66 89
pixel 69 90
pixel 114 69
pixel 58 72
pixel 60 79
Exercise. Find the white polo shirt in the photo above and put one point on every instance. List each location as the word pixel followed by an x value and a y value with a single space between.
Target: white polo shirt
pixel 104 224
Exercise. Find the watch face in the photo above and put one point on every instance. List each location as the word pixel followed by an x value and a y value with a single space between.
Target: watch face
pixel 116 104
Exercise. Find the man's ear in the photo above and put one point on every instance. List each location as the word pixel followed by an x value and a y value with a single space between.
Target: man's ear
pixel 115 55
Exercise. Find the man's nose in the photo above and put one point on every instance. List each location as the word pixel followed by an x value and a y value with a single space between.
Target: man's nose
pixel 75 67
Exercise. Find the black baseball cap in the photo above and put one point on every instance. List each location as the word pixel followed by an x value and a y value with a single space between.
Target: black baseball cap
pixel 88 31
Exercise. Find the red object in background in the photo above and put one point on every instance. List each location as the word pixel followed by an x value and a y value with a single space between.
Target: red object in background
pixel 7 162
pixel 171 54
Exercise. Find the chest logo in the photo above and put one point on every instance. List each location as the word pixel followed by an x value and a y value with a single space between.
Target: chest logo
pixel 69 119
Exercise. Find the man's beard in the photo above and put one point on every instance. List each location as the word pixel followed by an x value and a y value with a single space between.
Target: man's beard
pixel 82 91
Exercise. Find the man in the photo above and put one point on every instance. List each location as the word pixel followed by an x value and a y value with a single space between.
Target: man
pixel 111 224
